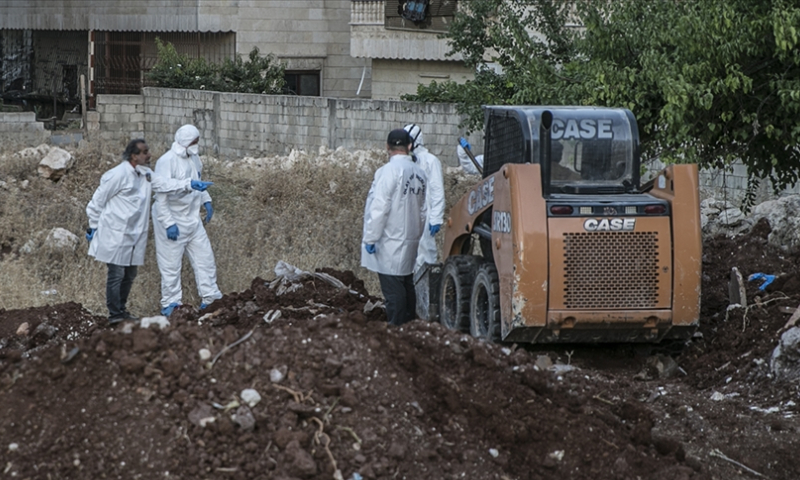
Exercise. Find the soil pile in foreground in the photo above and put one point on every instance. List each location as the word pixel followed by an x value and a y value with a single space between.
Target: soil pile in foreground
pixel 345 396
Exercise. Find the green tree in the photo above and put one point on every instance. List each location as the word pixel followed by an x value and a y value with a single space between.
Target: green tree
pixel 255 75
pixel 710 81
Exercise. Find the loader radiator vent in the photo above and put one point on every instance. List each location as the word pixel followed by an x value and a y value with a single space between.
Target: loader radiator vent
pixel 611 270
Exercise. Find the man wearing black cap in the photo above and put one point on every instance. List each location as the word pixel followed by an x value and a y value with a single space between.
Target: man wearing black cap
pixel 394 220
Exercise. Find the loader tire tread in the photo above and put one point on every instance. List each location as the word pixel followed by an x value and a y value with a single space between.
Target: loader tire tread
pixel 458 274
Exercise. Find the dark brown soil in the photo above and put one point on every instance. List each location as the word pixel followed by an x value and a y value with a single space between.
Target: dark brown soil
pixel 79 399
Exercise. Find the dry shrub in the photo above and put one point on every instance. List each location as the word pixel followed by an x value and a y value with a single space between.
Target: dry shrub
pixel 304 209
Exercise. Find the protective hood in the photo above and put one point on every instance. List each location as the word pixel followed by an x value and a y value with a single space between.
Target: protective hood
pixel 183 138
pixel 416 134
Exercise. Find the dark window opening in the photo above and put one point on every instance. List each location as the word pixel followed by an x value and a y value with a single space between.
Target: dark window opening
pixel 302 83
pixel 69 81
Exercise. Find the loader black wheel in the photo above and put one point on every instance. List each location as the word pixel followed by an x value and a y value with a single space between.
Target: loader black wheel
pixel 485 304
pixel 458 274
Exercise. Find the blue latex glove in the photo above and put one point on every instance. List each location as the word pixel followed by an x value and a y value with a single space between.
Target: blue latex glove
pixel 209 212
pixel 762 276
pixel 434 229
pixel 464 143
pixel 90 234
pixel 370 248
pixel 201 186
pixel 172 232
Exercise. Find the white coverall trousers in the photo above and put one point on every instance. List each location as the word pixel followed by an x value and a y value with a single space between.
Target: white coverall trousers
pixel 427 251
pixel 196 245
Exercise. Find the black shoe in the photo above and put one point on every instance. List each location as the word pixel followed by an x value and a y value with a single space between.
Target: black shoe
pixel 129 316
pixel 116 320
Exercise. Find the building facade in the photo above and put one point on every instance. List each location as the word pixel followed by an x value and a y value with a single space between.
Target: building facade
pixel 46 45
pixel 404 53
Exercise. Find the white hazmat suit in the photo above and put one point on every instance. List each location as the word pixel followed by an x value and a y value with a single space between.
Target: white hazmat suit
pixel 466 163
pixel 394 217
pixel 120 212
pixel 183 209
pixel 434 199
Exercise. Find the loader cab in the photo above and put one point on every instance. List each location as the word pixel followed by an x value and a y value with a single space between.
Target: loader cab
pixel 581 150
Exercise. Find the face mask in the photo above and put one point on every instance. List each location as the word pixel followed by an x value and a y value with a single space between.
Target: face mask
pixel 193 149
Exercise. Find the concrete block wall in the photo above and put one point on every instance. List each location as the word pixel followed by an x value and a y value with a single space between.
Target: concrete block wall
pixel 236 124
pixel 117 118
pixel 21 127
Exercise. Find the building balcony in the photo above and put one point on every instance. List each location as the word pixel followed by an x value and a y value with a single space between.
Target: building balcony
pixel 378 31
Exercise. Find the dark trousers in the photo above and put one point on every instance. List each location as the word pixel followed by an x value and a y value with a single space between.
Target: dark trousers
pixel 118 286
pixel 401 299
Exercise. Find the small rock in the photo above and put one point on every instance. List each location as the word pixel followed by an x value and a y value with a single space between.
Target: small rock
pixel 543 362
pixel 493 452
pixel 244 418
pixel 785 361
pixel 201 415
pixel 23 329
pixel 61 239
pixel 55 164
pixel 250 397
pixel 12 447
pixel 205 354
pixel 276 375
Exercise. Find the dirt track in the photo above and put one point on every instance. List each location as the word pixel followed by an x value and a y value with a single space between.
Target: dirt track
pixel 417 402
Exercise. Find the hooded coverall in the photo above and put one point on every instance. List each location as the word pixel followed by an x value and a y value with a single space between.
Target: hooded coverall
pixel 120 213
pixel 434 199
pixel 183 209
pixel 394 220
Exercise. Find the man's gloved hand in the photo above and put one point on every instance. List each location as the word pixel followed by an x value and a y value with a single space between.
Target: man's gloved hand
pixel 464 143
pixel 201 186
pixel 90 234
pixel 172 232
pixel 370 248
pixel 209 212
pixel 434 229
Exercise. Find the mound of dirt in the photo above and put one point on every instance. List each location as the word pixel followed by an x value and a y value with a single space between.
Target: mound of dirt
pixel 345 396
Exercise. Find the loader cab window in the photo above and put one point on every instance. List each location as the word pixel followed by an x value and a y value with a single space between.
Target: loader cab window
pixel 593 155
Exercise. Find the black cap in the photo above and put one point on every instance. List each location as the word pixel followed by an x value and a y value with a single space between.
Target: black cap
pixel 399 137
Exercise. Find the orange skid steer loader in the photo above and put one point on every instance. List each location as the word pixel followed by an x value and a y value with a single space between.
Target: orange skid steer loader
pixel 559 242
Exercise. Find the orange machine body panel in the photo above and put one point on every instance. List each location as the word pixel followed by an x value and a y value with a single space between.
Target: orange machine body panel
pixel 562 282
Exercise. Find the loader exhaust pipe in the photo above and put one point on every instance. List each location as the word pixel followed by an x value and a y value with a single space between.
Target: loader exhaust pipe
pixel 545 154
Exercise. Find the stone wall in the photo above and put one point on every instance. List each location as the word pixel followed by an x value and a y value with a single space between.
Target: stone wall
pixel 21 127
pixel 236 124
pixel 117 118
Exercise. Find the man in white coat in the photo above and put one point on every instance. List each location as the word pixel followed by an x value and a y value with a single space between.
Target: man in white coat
pixel 434 198
pixel 119 217
pixel 178 227
pixel 394 220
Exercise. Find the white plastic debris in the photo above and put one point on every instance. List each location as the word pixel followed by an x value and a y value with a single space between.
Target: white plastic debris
pixel 372 306
pixel 494 453
pixel 272 315
pixel 160 320
pixel 205 354
pixel 717 397
pixel 250 397
pixel 12 447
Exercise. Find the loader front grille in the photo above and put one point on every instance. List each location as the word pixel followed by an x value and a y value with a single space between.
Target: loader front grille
pixel 611 270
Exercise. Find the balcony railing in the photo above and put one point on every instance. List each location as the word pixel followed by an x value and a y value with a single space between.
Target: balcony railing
pixel 367 12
